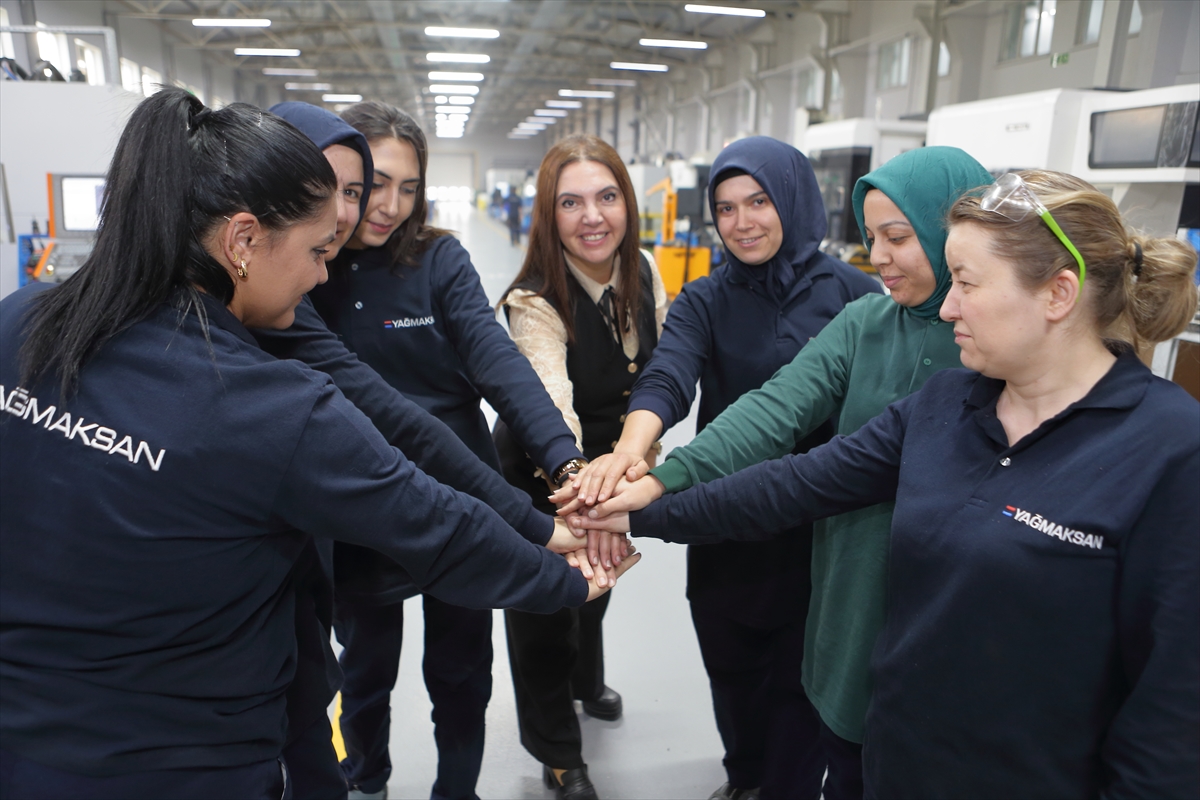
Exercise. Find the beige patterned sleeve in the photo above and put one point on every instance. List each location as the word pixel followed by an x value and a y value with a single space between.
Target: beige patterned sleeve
pixel 660 293
pixel 539 333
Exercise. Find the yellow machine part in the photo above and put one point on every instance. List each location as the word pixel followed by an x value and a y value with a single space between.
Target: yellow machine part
pixel 677 266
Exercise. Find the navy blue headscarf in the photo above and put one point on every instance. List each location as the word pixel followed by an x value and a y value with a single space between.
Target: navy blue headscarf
pixel 786 176
pixel 325 128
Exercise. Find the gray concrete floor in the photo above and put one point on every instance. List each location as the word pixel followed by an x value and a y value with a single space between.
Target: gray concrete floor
pixel 666 744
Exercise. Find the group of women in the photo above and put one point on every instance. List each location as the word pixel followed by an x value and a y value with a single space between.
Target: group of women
pixel 921 581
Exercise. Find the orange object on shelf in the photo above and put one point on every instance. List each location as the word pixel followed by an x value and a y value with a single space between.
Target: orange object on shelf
pixel 677 266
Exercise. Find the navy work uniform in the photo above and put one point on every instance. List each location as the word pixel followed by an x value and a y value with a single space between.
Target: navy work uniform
pixel 1043 627
pixel 731 333
pixel 429 331
pixel 148 524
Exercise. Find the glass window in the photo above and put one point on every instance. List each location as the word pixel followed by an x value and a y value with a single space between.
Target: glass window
pixel 1135 20
pixel 943 60
pixel 894 64
pixel 131 75
pixel 90 62
pixel 1030 29
pixel 1090 14
pixel 6 41
pixel 835 87
pixel 150 81
pixel 52 47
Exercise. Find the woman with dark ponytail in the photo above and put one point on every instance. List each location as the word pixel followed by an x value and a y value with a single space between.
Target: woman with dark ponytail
pixel 156 467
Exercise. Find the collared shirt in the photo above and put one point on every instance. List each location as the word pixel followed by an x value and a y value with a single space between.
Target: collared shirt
pixel 1043 629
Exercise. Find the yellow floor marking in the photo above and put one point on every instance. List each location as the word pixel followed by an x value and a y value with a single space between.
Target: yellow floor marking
pixel 338 744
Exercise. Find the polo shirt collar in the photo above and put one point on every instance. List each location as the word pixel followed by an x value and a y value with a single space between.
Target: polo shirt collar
pixel 224 319
pixel 1122 387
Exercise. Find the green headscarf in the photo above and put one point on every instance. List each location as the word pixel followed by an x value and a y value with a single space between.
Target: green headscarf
pixel 924 183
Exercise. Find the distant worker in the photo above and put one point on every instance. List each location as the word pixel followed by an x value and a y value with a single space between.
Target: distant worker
pixel 512 208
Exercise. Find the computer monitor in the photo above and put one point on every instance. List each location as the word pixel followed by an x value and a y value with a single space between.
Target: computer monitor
pixel 75 202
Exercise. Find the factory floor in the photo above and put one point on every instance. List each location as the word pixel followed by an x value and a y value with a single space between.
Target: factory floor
pixel 666 744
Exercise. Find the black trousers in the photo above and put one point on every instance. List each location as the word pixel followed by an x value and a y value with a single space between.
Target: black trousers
pixel 845 778
pixel 458 675
pixel 22 779
pixel 555 659
pixel 313 764
pixel 771 733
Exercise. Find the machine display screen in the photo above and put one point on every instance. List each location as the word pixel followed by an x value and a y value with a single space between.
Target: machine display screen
pixel 81 198
pixel 1126 138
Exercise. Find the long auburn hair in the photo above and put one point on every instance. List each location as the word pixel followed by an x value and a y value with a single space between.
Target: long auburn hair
pixel 376 121
pixel 545 266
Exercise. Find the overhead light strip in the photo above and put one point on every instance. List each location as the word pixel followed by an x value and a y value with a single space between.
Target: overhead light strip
pixel 231 23
pixel 549 112
pixel 465 33
pixel 450 88
pixel 342 98
pixel 611 82
pixel 265 51
pixel 458 58
pixel 452 109
pixel 597 93
pixel 729 11
pixel 639 66
pixel 456 76
pixel 684 44
pixel 563 104
pixel 308 87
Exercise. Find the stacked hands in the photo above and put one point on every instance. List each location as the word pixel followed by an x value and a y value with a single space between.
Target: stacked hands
pixel 595 504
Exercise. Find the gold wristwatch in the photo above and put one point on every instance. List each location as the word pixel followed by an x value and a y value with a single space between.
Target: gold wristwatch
pixel 571 467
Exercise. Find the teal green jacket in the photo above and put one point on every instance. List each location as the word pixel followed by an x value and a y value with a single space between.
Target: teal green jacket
pixel 871 354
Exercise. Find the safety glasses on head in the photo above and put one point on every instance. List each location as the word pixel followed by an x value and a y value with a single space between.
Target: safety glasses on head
pixel 1011 197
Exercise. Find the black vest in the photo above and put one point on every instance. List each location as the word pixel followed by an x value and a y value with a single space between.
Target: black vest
pixel 602 377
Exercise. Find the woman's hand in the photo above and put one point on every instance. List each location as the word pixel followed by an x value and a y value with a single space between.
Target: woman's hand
pixel 578 560
pixel 574 546
pixel 613 523
pixel 597 481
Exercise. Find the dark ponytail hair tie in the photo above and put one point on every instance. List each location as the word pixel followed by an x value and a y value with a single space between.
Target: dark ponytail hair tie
pixel 197 119
pixel 1137 259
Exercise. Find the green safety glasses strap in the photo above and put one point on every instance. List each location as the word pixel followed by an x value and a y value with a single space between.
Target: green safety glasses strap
pixel 1011 197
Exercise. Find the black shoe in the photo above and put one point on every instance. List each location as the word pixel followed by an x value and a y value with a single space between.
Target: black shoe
pixel 575 784
pixel 606 706
pixel 729 792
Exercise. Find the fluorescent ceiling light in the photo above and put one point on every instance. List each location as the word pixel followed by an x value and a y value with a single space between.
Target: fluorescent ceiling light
pixel 549 112
pixel 726 10
pixel 459 58
pixel 308 87
pixel 600 94
pixel 449 88
pixel 531 126
pixel 231 23
pixel 265 51
pixel 681 43
pixel 563 104
pixel 449 135
pixel 440 117
pixel 341 98
pixel 291 72
pixel 640 67
pixel 452 109
pixel 462 101
pixel 466 33
pixel 542 120
pixel 516 135
pixel 441 99
pixel 456 76
pixel 611 82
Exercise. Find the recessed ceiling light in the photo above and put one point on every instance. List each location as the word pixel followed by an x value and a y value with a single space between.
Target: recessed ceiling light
pixel 696 8
pixel 341 98
pixel 640 67
pixel 466 33
pixel 681 43
pixel 598 93
pixel 441 98
pixel 450 88
pixel 265 51
pixel 308 87
pixel 549 112
pixel 462 101
pixel 291 72
pixel 231 23
pixel 458 58
pixel 531 126
pixel 563 104
pixel 456 76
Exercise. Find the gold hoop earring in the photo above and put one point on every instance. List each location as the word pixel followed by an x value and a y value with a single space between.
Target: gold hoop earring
pixel 241 270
